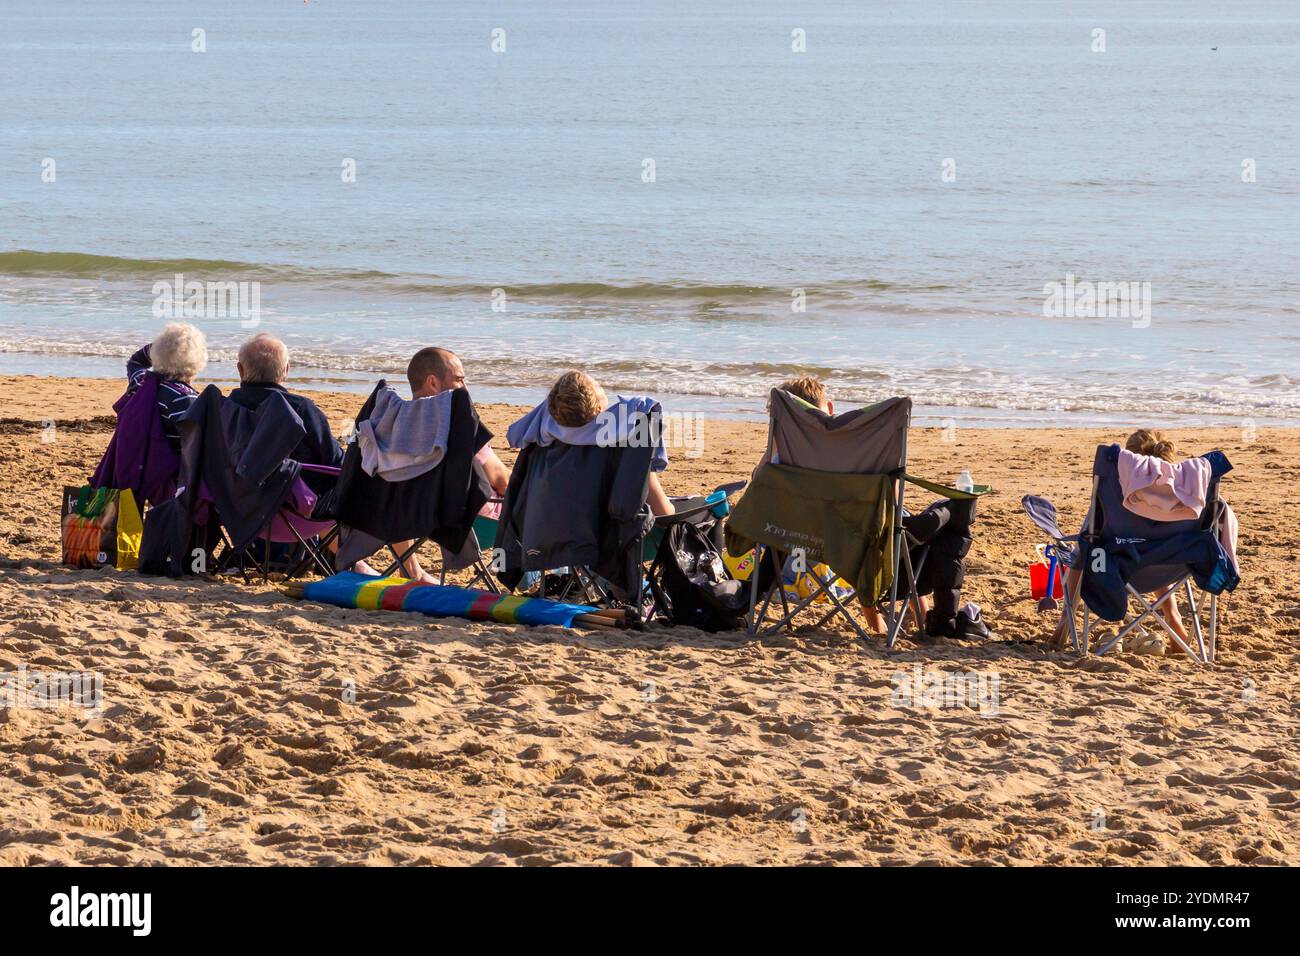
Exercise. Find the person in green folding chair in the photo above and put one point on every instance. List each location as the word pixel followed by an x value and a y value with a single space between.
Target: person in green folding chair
pixel 939 538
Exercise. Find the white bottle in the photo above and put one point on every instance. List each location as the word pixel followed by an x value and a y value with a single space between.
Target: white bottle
pixel 964 482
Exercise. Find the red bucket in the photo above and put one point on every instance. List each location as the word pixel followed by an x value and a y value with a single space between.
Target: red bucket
pixel 1038 581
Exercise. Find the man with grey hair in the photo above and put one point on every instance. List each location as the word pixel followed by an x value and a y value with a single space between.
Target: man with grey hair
pixel 263 368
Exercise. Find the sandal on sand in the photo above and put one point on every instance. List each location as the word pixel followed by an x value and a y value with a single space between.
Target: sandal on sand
pixel 1142 641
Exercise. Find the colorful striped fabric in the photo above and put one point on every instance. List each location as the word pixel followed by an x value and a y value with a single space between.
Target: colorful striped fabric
pixel 349 589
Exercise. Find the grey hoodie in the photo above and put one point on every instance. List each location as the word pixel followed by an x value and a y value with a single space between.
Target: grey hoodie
pixel 403 439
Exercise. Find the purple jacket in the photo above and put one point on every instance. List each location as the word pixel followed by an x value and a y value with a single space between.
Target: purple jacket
pixel 139 456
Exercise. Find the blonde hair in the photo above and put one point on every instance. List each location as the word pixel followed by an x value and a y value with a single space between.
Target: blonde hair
pixel 575 399
pixel 1149 442
pixel 265 359
pixel 179 352
pixel 811 390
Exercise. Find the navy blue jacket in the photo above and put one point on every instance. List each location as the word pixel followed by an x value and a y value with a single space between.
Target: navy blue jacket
pixel 243 456
pixel 317 446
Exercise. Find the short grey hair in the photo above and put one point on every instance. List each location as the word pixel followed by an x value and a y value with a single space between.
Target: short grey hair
pixel 265 359
pixel 179 352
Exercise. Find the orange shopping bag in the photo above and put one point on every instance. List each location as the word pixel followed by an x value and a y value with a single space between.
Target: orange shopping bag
pixel 100 526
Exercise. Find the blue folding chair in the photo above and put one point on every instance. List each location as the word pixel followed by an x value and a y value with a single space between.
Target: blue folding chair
pixel 1124 555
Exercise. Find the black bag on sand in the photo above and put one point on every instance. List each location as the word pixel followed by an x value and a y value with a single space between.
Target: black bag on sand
pixel 691 585
pixel 176 547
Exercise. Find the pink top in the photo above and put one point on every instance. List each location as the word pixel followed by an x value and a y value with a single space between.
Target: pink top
pixel 483 456
pixel 1163 490
pixel 1167 491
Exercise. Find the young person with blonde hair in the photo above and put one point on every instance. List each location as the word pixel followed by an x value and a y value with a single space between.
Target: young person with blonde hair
pixel 1150 442
pixel 575 400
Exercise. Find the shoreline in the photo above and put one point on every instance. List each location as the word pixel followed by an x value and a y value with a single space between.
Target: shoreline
pixel 743 408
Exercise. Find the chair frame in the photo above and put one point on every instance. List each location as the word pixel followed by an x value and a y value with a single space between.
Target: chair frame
pixel 482 569
pixel 1081 637
pixel 581 582
pixel 895 610
pixel 315 556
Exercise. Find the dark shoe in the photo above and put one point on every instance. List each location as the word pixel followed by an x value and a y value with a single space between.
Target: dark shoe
pixel 972 628
pixel 936 627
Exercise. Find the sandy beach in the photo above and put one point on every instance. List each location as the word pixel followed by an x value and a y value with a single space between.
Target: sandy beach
pixel 226 737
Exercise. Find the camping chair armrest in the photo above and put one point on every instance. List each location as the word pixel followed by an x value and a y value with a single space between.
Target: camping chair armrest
pixel 947 491
pixel 332 471
pixel 712 502
pixel 1069 549
pixel 663 520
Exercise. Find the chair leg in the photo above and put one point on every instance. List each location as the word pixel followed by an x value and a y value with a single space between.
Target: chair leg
pixel 228 554
pixel 1213 624
pixel 897 615
pixel 489 582
pixel 1071 610
pixel 311 558
pixel 640 617
pixel 753 590
pixel 840 606
pixel 895 623
pixel 760 615
pixel 777 589
pixel 400 559
pixel 824 586
pixel 829 590
pixel 1196 622
pixel 311 555
pixel 1125 629
pixel 317 554
pixel 758 610
pixel 1151 610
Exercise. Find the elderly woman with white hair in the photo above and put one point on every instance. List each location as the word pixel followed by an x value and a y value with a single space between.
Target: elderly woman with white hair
pixel 176 356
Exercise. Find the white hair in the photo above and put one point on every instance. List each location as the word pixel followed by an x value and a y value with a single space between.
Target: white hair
pixel 179 352
pixel 264 359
